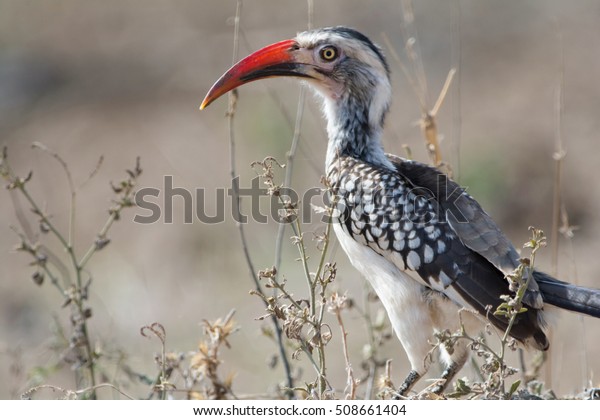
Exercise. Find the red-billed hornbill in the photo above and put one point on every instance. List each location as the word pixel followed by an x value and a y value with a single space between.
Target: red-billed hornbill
pixel 424 244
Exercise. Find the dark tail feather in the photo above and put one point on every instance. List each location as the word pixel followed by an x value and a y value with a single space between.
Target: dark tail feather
pixel 568 296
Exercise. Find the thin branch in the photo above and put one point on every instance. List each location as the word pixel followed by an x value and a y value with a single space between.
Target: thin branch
pixel 46 220
pixel 299 241
pixel 104 385
pixel 411 81
pixel 232 157
pixel 429 125
pixel 157 330
pixel 443 93
pixel 427 122
pixel 101 234
pixel 289 169
pixel 289 166
pixel 352 382
pixel 568 231
pixel 21 217
pixel 93 172
pixel 456 53
pixel 412 48
pixel 558 156
pixel 68 394
pixel 366 315
pixel 237 203
pixel 44 148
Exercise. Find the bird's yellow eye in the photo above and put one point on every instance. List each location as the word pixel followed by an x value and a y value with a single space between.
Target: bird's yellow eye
pixel 328 53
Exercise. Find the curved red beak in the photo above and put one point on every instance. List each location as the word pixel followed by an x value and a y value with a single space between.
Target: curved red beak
pixel 274 60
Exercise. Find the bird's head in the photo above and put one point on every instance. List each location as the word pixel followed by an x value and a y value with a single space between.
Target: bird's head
pixel 343 66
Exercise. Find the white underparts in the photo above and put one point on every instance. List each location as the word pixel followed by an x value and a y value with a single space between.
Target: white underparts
pixel 414 316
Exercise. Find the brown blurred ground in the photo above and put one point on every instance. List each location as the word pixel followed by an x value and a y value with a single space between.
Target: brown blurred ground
pixel 124 79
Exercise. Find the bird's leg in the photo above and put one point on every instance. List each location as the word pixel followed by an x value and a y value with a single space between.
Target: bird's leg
pixel 455 360
pixel 446 377
pixel 411 379
pixel 453 354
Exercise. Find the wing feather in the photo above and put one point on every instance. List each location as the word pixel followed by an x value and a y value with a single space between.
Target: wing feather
pixel 472 225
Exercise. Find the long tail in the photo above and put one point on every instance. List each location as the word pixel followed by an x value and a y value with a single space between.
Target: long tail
pixel 568 296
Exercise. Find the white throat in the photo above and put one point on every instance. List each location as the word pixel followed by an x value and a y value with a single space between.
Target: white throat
pixel 349 136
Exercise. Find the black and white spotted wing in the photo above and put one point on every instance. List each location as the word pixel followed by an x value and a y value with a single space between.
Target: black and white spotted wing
pixel 435 230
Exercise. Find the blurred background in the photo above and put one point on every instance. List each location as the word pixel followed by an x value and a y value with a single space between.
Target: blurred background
pixel 122 79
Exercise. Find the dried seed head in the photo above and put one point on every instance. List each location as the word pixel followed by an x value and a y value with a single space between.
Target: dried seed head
pixel 38 278
pixel 267 273
pixel 87 312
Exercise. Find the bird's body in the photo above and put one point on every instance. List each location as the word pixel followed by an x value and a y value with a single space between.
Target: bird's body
pixel 426 247
pixel 394 226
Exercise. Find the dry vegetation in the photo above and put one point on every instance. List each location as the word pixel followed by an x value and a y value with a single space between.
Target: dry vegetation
pixel 304 329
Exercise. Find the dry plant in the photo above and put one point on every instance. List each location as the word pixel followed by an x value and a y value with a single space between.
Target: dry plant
pixel 68 274
pixel 197 370
pixel 494 369
pixel 193 374
pixel 302 319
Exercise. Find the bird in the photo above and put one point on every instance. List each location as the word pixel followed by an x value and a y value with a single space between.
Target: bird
pixel 426 247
